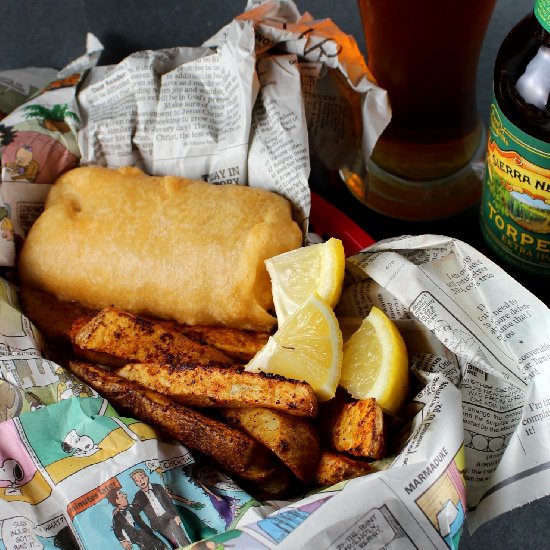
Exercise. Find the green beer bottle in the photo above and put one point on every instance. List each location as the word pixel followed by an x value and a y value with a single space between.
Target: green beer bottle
pixel 515 204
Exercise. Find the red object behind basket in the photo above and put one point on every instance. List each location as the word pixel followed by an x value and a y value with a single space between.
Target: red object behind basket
pixel 327 221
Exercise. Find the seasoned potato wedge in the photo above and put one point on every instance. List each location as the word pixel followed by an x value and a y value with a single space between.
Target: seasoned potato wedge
pixel 240 345
pixel 234 451
pixel 52 317
pixel 115 337
pixel 356 427
pixel 335 467
pixel 294 440
pixel 212 386
pixel 58 320
pixel 281 484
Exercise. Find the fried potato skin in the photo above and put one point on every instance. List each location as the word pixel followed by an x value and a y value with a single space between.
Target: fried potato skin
pixel 334 467
pixel 213 386
pixel 294 440
pixel 52 317
pixel 60 321
pixel 115 337
pixel 234 451
pixel 281 484
pixel 356 427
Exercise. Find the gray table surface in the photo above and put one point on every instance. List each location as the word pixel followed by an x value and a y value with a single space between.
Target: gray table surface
pixel 52 33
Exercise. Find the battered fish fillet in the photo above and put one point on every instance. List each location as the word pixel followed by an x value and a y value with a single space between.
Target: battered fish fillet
pixel 164 247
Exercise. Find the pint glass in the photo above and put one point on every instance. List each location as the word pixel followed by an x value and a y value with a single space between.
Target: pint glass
pixel 428 163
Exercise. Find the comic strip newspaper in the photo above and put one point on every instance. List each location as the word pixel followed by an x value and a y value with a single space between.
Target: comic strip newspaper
pixel 38 140
pixel 73 472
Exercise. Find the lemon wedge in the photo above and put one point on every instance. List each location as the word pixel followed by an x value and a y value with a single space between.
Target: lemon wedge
pixel 297 274
pixel 376 363
pixel 307 346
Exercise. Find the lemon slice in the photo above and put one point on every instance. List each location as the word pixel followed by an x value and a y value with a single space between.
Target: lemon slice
pixel 376 363
pixel 307 346
pixel 295 275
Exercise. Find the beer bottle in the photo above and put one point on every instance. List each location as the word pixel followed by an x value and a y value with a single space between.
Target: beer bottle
pixel 515 205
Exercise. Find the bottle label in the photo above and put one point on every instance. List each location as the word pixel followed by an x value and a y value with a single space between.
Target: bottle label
pixel 515 212
pixel 542 13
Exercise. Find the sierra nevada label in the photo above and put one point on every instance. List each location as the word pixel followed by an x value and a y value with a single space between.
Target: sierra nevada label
pixel 515 214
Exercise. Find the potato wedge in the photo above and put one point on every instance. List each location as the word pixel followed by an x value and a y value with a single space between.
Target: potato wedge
pixel 356 427
pixel 57 320
pixel 52 317
pixel 294 440
pixel 213 386
pixel 334 467
pixel 240 345
pixel 281 484
pixel 235 452
pixel 115 337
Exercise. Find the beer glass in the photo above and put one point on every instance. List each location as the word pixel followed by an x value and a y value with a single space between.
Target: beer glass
pixel 428 163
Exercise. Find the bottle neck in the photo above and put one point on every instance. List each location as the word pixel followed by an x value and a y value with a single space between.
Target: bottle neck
pixel 542 13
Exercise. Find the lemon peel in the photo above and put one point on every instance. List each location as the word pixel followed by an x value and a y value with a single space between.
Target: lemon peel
pixel 297 274
pixel 307 347
pixel 375 363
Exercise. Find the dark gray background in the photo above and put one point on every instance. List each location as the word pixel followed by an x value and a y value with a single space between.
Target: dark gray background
pixel 52 33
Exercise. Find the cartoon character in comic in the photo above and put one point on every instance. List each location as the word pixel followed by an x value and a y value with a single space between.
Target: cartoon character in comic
pixel 37 157
pixel 126 528
pixel 154 502
pixel 10 401
pixel 206 478
pixel 64 539
pixel 70 386
pixel 12 472
pixel 194 525
pixel 7 134
pixel 24 167
pixel 6 227
pixel 79 445
pixel 33 400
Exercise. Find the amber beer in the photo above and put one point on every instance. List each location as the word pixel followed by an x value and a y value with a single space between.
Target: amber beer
pixel 425 54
